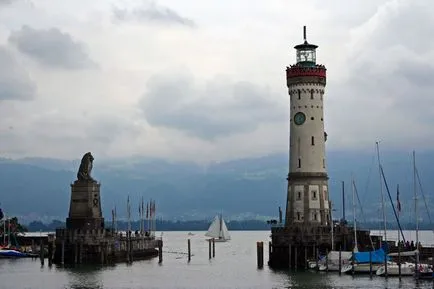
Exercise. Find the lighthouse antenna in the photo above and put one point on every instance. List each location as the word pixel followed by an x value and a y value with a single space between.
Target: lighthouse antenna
pixel 304 33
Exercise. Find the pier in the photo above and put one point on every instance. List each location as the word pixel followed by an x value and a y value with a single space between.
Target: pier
pixel 85 240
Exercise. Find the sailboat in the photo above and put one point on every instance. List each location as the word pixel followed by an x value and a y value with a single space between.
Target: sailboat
pixel 218 230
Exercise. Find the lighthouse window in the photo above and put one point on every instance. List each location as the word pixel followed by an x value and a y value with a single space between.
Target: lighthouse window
pixel 313 141
pixel 314 216
pixel 313 195
pixel 323 163
pixel 311 94
pixel 312 118
pixel 299 163
pixel 298 216
pixel 299 94
pixel 325 195
pixel 298 195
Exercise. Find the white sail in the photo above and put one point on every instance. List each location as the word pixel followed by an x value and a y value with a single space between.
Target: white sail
pixel 224 233
pixel 218 229
pixel 214 228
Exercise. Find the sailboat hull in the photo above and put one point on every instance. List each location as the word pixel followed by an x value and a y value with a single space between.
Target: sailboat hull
pixel 218 240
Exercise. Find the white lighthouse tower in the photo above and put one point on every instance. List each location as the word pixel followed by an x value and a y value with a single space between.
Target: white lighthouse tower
pixel 308 198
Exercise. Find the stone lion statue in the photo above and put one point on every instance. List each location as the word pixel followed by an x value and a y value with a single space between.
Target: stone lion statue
pixel 84 172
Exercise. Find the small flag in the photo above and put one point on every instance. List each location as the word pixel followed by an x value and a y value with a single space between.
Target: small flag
pixel 398 203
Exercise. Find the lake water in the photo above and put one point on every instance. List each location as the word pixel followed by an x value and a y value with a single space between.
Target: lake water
pixel 234 266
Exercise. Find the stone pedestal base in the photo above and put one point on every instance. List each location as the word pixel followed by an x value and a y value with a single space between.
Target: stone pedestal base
pixel 85 223
pixel 85 206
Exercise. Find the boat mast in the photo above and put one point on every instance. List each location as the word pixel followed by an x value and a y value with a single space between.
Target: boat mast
pixel 4 231
pixel 354 215
pixel 221 226
pixel 331 216
pixel 415 206
pixel 381 192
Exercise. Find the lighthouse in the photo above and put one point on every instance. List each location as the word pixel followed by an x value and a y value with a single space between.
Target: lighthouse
pixel 307 227
pixel 307 199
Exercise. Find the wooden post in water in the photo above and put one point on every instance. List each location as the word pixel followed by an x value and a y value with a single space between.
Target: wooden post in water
pixel 50 253
pixel 209 248
pixel 62 260
pixel 327 260
pixel 370 264
pixel 306 263
pixel 80 254
pixel 160 251
pixel 295 257
pixel 33 247
pixel 213 247
pixel 75 253
pixel 260 254
pixel 289 256
pixel 270 248
pixel 189 250
pixel 340 260
pixel 41 252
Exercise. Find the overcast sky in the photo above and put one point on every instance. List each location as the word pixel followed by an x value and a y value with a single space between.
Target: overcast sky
pixel 205 80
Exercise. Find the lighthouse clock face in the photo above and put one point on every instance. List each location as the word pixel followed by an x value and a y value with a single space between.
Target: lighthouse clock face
pixel 299 118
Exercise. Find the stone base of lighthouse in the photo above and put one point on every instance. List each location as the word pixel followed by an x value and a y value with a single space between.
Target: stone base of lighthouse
pixel 307 229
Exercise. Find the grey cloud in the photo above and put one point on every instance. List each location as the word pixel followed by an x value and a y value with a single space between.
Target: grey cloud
pixel 152 12
pixel 51 48
pixel 388 91
pixel 15 83
pixel 219 109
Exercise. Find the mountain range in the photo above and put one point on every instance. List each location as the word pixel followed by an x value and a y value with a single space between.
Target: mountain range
pixel 251 188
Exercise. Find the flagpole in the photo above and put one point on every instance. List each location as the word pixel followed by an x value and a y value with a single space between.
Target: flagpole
pixel 143 216
pixel 129 215
pixel 116 220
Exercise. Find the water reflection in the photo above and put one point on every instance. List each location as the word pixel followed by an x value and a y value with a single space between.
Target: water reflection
pixel 84 277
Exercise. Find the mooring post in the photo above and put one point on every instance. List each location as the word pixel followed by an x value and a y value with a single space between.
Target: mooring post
pixel 340 260
pixel 62 260
pixel 50 252
pixel 189 250
pixel 80 253
pixel 370 264
pixel 327 260
pixel 209 248
pixel 213 247
pixel 290 256
pixel 101 251
pixel 33 247
pixel 41 252
pixel 270 248
pixel 260 254
pixel 160 251
pixel 75 253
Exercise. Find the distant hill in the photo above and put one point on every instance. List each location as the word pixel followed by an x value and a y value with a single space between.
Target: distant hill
pixel 38 189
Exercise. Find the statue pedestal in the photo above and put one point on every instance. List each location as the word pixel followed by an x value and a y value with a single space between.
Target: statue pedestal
pixel 85 206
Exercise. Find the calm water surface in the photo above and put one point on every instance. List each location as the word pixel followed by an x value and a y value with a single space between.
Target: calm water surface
pixel 233 267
